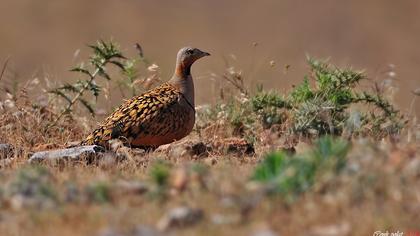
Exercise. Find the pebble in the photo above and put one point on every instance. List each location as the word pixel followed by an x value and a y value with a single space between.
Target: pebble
pixel 180 217
pixel 88 153
pixel 131 187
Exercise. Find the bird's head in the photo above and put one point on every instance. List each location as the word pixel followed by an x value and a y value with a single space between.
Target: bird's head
pixel 186 57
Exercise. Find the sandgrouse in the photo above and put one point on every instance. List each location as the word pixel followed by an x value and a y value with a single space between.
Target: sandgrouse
pixel 159 116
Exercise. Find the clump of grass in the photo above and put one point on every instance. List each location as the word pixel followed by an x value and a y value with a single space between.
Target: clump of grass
pixel 291 175
pixel 99 192
pixel 159 174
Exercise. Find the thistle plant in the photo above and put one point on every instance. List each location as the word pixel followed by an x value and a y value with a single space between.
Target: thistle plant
pixel 104 53
pixel 324 107
pixel 292 175
pixel 322 104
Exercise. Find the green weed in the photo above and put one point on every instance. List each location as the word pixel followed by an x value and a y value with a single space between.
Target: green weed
pixel 159 173
pixel 322 104
pixel 324 107
pixel 291 175
pixel 99 192
pixel 104 53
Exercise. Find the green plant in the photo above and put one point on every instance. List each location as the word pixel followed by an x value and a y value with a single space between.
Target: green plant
pixel 99 192
pixel 159 173
pixel 330 153
pixel 322 104
pixel 324 107
pixel 104 53
pixel 302 92
pixel 290 176
pixel 269 106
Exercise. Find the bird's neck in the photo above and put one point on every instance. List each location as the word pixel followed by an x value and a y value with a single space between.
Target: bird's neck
pixel 183 69
pixel 183 80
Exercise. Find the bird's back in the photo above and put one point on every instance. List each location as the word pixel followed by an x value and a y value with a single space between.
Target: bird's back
pixel 159 116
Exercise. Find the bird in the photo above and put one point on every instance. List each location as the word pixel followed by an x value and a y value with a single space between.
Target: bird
pixel 159 116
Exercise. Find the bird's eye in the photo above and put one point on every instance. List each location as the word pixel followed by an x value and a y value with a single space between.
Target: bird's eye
pixel 189 51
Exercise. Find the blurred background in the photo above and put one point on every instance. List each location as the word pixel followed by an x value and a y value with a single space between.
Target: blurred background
pixel 379 36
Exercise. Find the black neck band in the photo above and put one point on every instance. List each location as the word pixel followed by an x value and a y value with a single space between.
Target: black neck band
pixel 187 70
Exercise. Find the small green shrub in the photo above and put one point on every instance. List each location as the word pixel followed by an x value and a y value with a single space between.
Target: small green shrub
pixel 330 153
pixel 301 93
pixel 269 106
pixel 290 176
pixel 324 107
pixel 99 192
pixel 159 173
pixel 320 105
pixel 104 53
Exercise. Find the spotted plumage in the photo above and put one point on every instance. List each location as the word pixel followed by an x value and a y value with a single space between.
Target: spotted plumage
pixel 159 116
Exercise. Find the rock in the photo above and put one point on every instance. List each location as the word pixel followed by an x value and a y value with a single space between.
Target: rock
pixel 186 149
pixel 140 230
pixel 6 151
pixel 219 219
pixel 180 217
pixel 199 149
pixel 210 161
pixel 343 228
pixel 87 153
pixel 238 146
pixel 131 187
pixel 143 230
pixel 20 202
pixel 264 232
pixel 180 179
pixel 110 232
pixel 176 151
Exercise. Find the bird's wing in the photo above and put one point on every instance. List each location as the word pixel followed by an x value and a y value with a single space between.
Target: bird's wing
pixel 134 116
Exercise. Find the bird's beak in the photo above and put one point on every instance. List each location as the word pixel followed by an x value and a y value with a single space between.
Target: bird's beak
pixel 204 54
